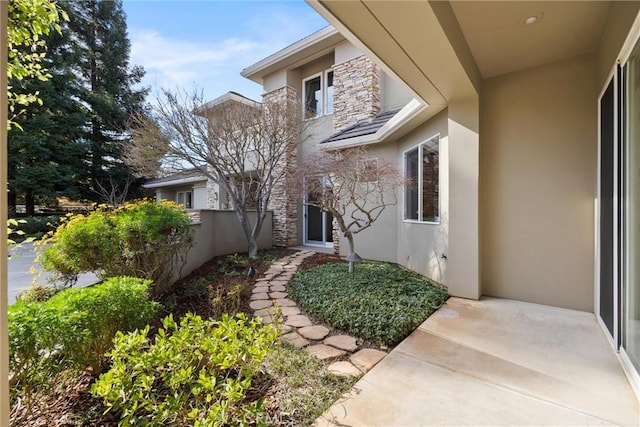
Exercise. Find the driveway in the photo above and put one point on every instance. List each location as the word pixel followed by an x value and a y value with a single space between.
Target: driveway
pixel 494 362
pixel 21 277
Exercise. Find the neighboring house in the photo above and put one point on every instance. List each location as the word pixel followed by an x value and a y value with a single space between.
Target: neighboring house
pixel 191 188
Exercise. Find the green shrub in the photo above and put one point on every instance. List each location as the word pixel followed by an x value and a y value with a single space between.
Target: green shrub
pixel 142 239
pixel 196 373
pixel 73 329
pixel 382 303
pixel 38 226
pixel 38 293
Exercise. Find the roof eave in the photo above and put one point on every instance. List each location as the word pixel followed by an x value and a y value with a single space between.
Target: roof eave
pixel 289 55
pixel 174 182
pixel 410 111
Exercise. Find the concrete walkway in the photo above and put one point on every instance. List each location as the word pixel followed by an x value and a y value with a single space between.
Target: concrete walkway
pixel 494 362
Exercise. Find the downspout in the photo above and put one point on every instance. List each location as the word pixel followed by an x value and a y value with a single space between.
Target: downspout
pixel 4 334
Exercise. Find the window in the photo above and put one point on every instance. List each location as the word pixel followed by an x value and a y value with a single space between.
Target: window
pixel 185 198
pixel 421 193
pixel 318 94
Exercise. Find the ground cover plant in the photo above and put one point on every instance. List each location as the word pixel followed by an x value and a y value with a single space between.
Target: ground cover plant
pixel 382 303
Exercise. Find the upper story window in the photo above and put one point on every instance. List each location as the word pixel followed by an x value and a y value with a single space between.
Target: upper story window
pixel 422 188
pixel 318 94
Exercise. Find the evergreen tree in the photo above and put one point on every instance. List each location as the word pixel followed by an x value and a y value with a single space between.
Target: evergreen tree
pixel 101 31
pixel 72 143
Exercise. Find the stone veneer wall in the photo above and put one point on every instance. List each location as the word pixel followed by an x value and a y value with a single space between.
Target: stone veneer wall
pixel 356 92
pixel 284 201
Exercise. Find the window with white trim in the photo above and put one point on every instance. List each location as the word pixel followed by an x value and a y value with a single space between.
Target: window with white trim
pixel 318 94
pixel 185 198
pixel 422 188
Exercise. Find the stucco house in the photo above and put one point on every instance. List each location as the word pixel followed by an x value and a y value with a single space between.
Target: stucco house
pixel 518 121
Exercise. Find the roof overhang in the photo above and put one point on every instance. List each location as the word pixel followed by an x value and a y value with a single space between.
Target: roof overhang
pixel 419 42
pixel 311 47
pixel 412 115
pixel 227 98
pixel 174 182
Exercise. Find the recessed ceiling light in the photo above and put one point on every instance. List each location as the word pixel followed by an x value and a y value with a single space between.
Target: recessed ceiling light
pixel 532 18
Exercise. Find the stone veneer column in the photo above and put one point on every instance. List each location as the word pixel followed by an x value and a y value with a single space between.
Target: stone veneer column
pixel 356 92
pixel 284 201
pixel 213 195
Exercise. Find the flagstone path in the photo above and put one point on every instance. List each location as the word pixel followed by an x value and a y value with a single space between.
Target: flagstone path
pixel 270 292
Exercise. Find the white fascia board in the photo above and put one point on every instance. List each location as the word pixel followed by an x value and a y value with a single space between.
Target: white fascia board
pixel 408 112
pixel 175 182
pixel 288 51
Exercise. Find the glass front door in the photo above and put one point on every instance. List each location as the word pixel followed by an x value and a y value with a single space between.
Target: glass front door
pixel 318 225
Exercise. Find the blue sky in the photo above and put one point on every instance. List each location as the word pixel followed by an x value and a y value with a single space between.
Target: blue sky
pixel 205 44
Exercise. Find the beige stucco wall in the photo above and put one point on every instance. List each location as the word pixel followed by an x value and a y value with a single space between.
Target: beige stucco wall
pixel 538 184
pixel 379 242
pixel 219 233
pixel 394 93
pixel 420 246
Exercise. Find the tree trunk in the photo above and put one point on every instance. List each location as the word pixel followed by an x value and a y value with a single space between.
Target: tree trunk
pixel 253 247
pixel 12 201
pixel 30 204
pixel 349 237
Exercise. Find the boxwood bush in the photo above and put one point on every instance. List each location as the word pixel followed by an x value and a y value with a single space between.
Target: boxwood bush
pixel 383 303
pixel 200 372
pixel 140 239
pixel 73 329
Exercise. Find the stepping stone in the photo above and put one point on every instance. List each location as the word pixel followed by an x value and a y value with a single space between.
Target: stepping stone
pixel 278 295
pixel 259 296
pixel 314 333
pixel 343 342
pixel 298 321
pixel 263 312
pixel 284 302
pixel 257 305
pixel 295 339
pixel 266 319
pixel 290 311
pixel 344 369
pixel 367 358
pixel 279 282
pixel 260 289
pixel 324 352
pixel 278 288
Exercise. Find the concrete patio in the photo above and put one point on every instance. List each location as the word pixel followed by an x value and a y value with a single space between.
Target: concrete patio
pixel 494 362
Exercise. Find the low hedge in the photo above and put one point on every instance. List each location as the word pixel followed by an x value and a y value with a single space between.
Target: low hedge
pixel 383 303
pixel 73 329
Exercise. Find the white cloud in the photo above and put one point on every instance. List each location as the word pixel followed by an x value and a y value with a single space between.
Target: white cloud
pixel 171 63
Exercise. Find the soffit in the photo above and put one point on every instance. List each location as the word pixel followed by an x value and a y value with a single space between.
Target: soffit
pixel 407 40
pixel 500 42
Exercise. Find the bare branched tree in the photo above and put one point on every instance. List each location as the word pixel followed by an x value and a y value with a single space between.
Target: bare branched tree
pixel 239 144
pixel 352 186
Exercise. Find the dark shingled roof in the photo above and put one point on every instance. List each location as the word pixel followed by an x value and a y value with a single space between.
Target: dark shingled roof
pixel 362 128
pixel 186 174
